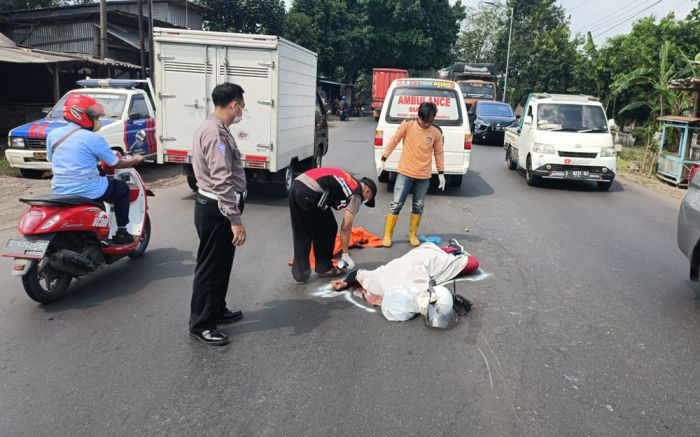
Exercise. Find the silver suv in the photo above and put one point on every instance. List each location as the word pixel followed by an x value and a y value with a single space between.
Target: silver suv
pixel 689 223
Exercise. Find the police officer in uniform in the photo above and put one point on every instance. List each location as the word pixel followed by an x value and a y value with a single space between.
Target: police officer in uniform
pixel 217 214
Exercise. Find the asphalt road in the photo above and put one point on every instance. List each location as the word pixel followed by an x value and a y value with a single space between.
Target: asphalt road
pixel 585 324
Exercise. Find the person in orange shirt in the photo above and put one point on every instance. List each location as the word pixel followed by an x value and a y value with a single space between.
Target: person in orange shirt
pixel 421 141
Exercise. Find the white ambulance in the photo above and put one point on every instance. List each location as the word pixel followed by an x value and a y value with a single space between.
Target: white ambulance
pixel 403 98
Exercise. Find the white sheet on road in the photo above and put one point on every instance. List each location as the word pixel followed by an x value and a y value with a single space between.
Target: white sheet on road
pixel 413 270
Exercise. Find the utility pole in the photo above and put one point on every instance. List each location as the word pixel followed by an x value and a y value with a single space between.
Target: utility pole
pixel 151 57
pixel 510 35
pixel 142 46
pixel 103 29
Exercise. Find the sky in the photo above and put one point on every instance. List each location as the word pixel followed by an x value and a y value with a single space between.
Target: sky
pixel 606 18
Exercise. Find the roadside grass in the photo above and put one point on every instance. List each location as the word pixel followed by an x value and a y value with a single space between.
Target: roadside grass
pixel 630 159
pixel 5 169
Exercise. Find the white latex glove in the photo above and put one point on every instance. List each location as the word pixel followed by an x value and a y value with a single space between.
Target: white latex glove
pixel 441 178
pixel 380 167
pixel 347 261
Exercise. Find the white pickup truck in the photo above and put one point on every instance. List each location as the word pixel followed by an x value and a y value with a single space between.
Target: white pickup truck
pixel 562 137
pixel 128 108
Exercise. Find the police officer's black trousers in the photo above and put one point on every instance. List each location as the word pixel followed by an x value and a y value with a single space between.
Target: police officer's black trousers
pixel 214 263
pixel 310 225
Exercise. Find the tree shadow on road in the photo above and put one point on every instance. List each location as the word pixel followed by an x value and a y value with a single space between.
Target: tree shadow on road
pixel 124 278
pixel 302 316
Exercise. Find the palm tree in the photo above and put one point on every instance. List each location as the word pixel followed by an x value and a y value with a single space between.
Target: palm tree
pixel 658 98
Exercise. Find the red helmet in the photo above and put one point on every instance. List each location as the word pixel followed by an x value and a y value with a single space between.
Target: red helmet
pixel 82 110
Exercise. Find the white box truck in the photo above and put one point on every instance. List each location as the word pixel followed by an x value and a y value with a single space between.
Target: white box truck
pixel 284 130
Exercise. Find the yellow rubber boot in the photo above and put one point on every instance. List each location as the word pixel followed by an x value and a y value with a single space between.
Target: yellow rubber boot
pixel 389 229
pixel 413 229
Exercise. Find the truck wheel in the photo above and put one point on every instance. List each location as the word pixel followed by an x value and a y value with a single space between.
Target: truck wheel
pixel 383 177
pixel 531 179
pixel 391 181
pixel 31 174
pixel 48 286
pixel 191 179
pixel 604 185
pixel 455 180
pixel 285 179
pixel 512 165
pixel 376 118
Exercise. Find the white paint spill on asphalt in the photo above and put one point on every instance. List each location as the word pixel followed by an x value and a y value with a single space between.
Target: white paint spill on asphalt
pixel 327 292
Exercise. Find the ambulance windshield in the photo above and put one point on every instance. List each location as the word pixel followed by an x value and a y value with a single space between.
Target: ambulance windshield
pixel 112 103
pixel 405 101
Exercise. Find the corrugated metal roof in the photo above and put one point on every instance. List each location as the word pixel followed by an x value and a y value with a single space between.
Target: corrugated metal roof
pixel 21 55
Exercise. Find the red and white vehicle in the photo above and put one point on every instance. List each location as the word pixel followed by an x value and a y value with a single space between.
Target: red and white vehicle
pixel 66 237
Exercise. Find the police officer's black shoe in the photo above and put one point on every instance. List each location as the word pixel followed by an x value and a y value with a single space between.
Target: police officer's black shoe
pixel 210 336
pixel 122 237
pixel 229 316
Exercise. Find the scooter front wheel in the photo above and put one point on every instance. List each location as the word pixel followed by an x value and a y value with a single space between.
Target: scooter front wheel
pixel 44 284
pixel 145 239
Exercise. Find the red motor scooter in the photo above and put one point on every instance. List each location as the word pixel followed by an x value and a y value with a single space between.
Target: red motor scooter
pixel 67 237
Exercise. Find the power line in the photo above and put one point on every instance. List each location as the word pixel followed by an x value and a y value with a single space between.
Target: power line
pixel 579 5
pixel 616 15
pixel 627 19
pixel 621 16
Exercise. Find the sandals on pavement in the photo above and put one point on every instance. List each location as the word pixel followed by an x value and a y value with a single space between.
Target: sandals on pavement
pixel 335 271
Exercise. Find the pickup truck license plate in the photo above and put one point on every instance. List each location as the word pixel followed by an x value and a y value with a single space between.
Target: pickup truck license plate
pixel 40 155
pixel 577 174
pixel 25 249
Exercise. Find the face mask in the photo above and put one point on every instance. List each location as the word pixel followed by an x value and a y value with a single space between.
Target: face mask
pixel 238 118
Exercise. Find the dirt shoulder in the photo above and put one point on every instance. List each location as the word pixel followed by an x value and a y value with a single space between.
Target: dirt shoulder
pixel 652 183
pixel 13 187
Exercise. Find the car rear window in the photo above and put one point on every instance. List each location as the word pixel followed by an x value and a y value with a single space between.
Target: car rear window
pixel 494 110
pixel 404 103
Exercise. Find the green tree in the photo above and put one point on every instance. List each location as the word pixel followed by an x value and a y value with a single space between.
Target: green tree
pixel 543 52
pixel 352 36
pixel 413 34
pixel 13 5
pixel 481 29
pixel 336 29
pixel 244 16
pixel 654 78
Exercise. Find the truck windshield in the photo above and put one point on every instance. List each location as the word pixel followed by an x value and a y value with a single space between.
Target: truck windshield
pixel 494 110
pixel 475 90
pixel 571 117
pixel 404 104
pixel 113 104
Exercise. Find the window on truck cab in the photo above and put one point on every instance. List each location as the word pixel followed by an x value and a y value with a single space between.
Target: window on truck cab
pixel 477 90
pixel 571 118
pixel 138 106
pixel 112 103
pixel 404 103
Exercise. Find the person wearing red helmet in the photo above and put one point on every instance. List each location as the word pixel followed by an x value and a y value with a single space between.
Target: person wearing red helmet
pixel 75 151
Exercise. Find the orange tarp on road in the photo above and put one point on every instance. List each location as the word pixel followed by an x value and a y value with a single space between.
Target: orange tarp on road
pixel 358 238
